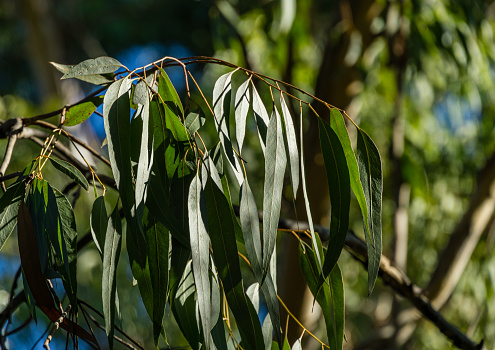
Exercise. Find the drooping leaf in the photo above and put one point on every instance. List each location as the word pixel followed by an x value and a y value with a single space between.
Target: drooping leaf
pixel 71 171
pixel 329 294
pixel 242 102
pixel 223 243
pixel 77 114
pixel 91 67
pixel 30 262
pixel 116 117
pixel 157 237
pixel 340 192
pixel 184 308
pixel 319 258
pixel 290 133
pixel 200 252
pixel 218 331
pixel 338 125
pixel 370 172
pixel 168 93
pixel 221 89
pixel 250 224
pixel 9 207
pixel 261 116
pixel 275 163
pixel 98 222
pixel 142 177
pixel 69 235
pixel 111 254
pixel 142 90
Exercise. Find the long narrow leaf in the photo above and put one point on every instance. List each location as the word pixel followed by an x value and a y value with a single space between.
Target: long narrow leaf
pixel 261 117
pixel 200 251
pixel 340 193
pixel 158 240
pixel 222 236
pixel 338 125
pixel 71 171
pixel 242 102
pixel 290 133
pixel 220 91
pixel 98 221
pixel 100 65
pixel 275 163
pixel 111 254
pixel 370 171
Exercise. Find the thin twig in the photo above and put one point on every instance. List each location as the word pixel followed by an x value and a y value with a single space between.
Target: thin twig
pixel 55 326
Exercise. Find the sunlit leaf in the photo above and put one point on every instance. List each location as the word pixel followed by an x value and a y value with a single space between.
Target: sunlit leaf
pixel 77 114
pixel 290 133
pixel 100 65
pixel 9 206
pixel 261 116
pixel 242 102
pixel 184 308
pixel 338 125
pixel 221 89
pixel 200 252
pixel 71 171
pixel 370 172
pixel 111 254
pixel 194 121
pixel 340 192
pixel 275 163
pixel 223 243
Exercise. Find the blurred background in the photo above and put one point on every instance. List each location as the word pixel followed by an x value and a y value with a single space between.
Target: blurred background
pixel 417 76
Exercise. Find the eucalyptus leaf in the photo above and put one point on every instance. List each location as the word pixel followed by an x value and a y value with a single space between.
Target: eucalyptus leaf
pixel 290 134
pixel 221 89
pixel 370 172
pixel 98 221
pixel 71 171
pixel 200 252
pixel 275 163
pixel 77 114
pixel 340 192
pixel 338 125
pixel 9 207
pixel 111 254
pixel 242 102
pixel 194 121
pixel 97 66
pixel 261 116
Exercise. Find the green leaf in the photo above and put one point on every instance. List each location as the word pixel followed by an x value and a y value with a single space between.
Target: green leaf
pixel 340 192
pixel 290 134
pixel 98 79
pixel 77 114
pixel 142 91
pixel 71 171
pixel 60 219
pixel 9 207
pixel 220 91
pixel 157 237
pixel 168 93
pixel 184 308
pixel 370 172
pixel 111 254
pixel 275 163
pixel 145 160
pixel 338 125
pixel 314 242
pixel 97 66
pixel 194 121
pixel 200 252
pixel 261 117
pixel 223 243
pixel 242 102
pixel 116 118
pixel 250 224
pixel 329 293
pixel 98 221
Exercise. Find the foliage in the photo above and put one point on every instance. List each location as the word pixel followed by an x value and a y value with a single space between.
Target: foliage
pixel 185 243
